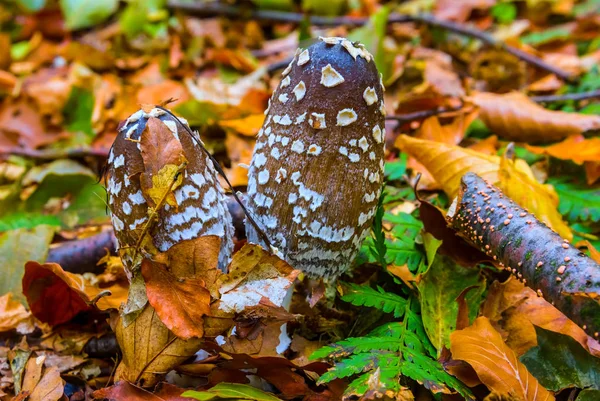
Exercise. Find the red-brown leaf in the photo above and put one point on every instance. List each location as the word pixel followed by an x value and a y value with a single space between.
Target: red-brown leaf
pixel 179 302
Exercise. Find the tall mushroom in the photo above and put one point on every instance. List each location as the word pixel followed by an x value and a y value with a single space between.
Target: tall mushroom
pixel 317 169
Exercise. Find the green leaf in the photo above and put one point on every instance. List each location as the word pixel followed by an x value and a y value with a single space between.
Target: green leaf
pixel 589 395
pixel 78 111
pixel 86 13
pixel 231 390
pixel 577 202
pixel 200 114
pixel 363 295
pixel 372 36
pixel 397 169
pixel 18 247
pixel 27 220
pixel 438 289
pixel 559 362
pixel 504 13
pixel 545 36
pixel 326 8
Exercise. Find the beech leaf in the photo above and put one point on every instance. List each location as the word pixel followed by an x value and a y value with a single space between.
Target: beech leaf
pixel 49 388
pixel 180 302
pixel 515 117
pixel 447 164
pixel 497 366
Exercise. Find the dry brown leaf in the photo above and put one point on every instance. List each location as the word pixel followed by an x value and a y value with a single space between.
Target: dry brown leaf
pixel 515 117
pixel 239 149
pixel 253 274
pixel 49 388
pixel 487 146
pixel 592 172
pixel 575 148
pixel 180 302
pixel 195 258
pixel 515 309
pixel 496 364
pixel 149 349
pixel 13 315
pixel 447 164
pixel 33 373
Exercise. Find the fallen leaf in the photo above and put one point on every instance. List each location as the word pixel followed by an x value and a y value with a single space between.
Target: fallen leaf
pixel 495 363
pixel 559 362
pixel 451 134
pixel 248 126
pixel 180 302
pixel 149 349
pixel 515 309
pixel 515 117
pixel 447 164
pixel 439 287
pixel 232 390
pixel 253 274
pixel 14 316
pixel 49 388
pixel 33 373
pixel 195 258
pixel 575 148
pixel 56 296
pixel 162 154
pixel 239 149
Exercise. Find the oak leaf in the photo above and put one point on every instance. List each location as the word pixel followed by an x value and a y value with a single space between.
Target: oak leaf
pixel 481 346
pixel 575 148
pixel 515 117
pixel 180 302
pixel 447 164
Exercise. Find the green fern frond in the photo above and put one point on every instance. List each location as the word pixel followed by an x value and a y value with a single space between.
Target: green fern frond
pixel 363 295
pixel 392 350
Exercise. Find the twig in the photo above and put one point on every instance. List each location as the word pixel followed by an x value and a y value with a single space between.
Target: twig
pixel 420 115
pixel 567 96
pixel 54 154
pixel 81 255
pixel 224 10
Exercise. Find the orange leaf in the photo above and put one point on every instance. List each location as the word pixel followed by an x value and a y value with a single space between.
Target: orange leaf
pixel 447 164
pixel 575 148
pixel 179 302
pixel 451 134
pixel 159 147
pixel 515 117
pixel 592 172
pixel 495 363
pixel 248 126
pixel 13 314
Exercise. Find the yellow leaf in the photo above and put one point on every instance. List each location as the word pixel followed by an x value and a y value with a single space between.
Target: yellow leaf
pixel 447 164
pixel 164 183
pixel 497 366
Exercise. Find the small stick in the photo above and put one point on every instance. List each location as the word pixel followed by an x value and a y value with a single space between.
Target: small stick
pixel 423 114
pixel 520 243
pixel 568 96
pixel 224 10
pixel 53 154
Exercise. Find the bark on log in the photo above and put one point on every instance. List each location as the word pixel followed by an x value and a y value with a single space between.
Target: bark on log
pixel 518 242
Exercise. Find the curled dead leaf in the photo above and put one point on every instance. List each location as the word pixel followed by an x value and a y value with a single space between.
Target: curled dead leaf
pixel 575 148
pixel 515 117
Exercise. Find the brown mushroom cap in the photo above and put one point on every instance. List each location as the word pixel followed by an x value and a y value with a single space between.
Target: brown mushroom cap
pixel 201 204
pixel 317 168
